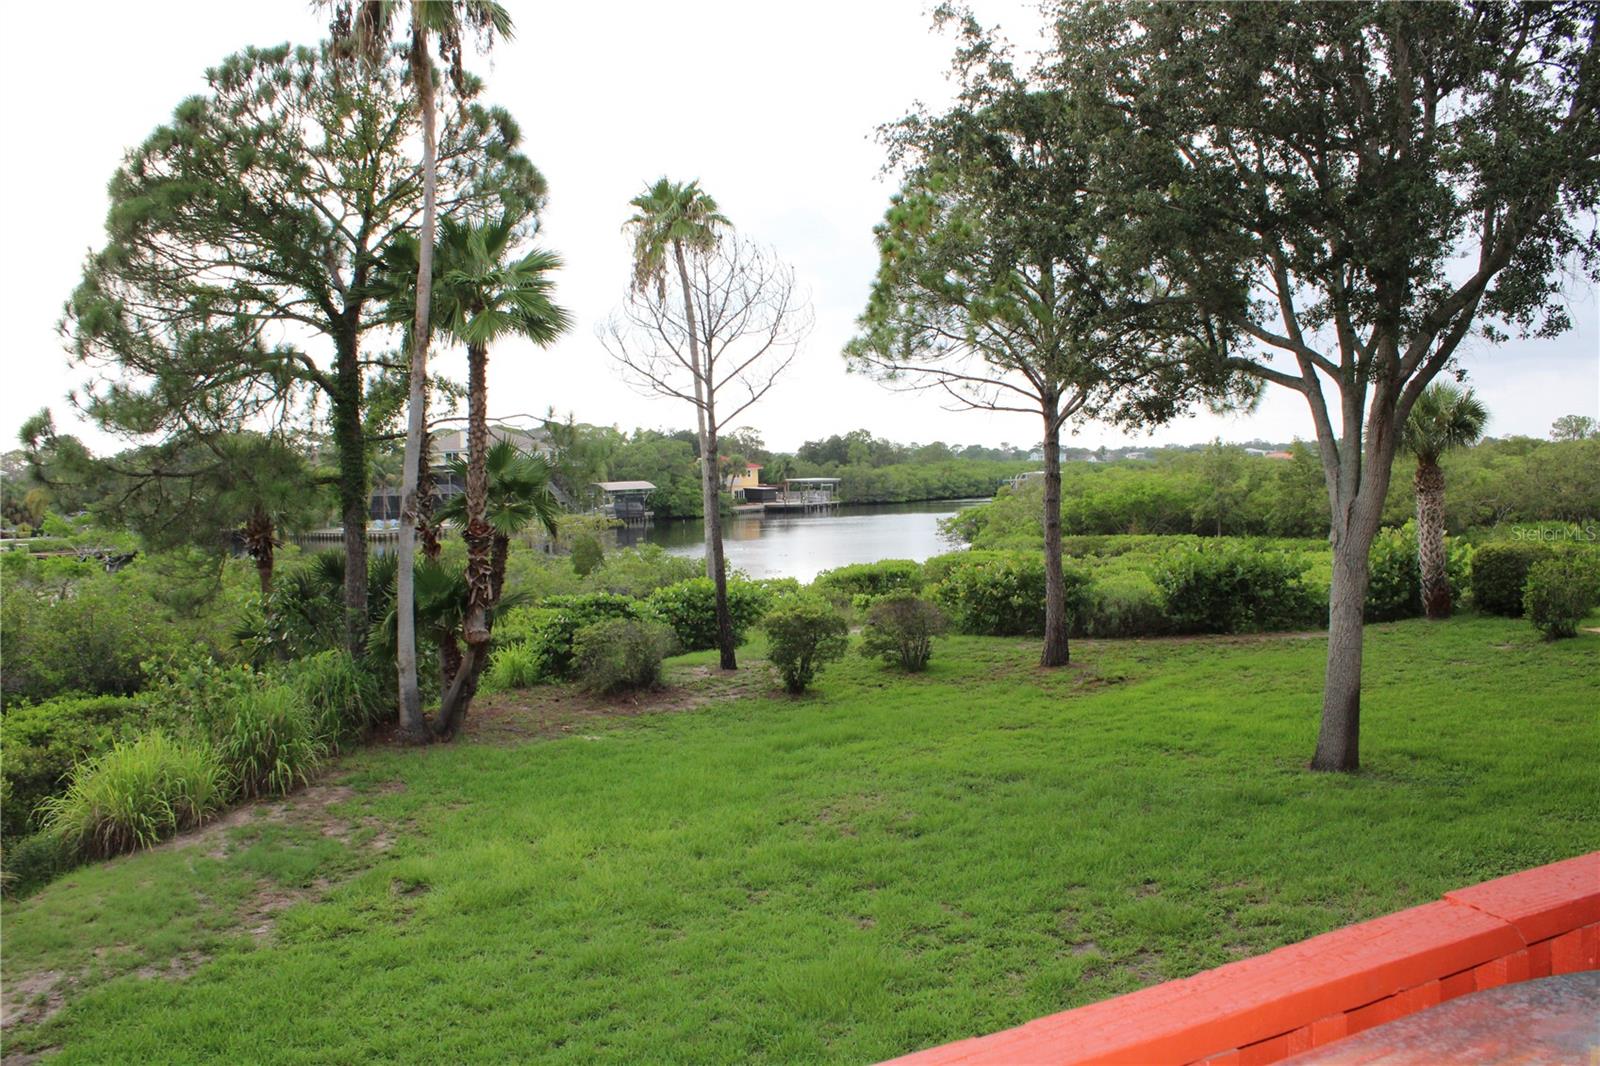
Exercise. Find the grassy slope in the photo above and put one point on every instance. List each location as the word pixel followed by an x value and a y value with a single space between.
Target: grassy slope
pixel 885 865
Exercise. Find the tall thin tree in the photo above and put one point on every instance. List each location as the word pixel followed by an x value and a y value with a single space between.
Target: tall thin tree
pixel 682 219
pixel 483 294
pixel 747 321
pixel 1003 287
pixel 368 25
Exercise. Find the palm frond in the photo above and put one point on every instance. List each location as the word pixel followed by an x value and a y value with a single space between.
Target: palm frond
pixel 1444 417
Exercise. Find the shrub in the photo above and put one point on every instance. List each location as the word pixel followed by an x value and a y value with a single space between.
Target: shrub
pixel 640 571
pixel 269 742
pixel 901 627
pixel 1560 592
pixel 34 861
pixel 803 633
pixel 587 554
pixel 1500 572
pixel 341 696
pixel 871 579
pixel 518 664
pixel 549 629
pixel 137 793
pixel 690 608
pixel 88 636
pixel 43 742
pixel 1123 604
pixel 1002 594
pixel 1232 588
pixel 1395 588
pixel 620 654
pixel 197 691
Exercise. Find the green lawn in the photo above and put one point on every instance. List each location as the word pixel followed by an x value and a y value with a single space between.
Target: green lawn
pixel 887 864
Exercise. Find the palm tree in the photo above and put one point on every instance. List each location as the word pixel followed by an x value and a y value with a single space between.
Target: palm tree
pixel 519 495
pixel 265 483
pixel 367 27
pixel 678 218
pixel 482 296
pixel 1443 418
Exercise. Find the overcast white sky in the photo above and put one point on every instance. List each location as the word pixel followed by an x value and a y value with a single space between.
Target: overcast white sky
pixel 771 106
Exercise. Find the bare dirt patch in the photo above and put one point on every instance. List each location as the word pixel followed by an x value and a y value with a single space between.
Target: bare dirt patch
pixel 549 711
pixel 32 998
pixel 310 806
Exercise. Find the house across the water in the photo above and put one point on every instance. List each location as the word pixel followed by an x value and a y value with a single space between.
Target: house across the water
pixel 626 501
pixel 448 446
pixel 739 482
pixel 806 495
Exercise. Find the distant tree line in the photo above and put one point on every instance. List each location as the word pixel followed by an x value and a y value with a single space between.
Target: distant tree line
pixel 1223 490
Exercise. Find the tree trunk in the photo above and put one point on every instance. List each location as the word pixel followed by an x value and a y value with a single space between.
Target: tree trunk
pixel 412 725
pixel 1357 472
pixel 497 569
pixel 354 500
pixel 478 533
pixel 459 691
pixel 258 538
pixel 427 525
pixel 1339 737
pixel 719 575
pixel 708 500
pixel 479 536
pixel 1429 484
pixel 1056 652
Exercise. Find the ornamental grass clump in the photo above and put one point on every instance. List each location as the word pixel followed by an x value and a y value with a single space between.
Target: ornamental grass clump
pixel 269 742
pixel 341 697
pixel 519 664
pixel 136 794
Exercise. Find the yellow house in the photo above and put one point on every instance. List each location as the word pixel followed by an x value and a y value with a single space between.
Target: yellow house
pixel 748 478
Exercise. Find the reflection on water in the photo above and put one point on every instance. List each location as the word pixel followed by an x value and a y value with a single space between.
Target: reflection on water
pixel 800 546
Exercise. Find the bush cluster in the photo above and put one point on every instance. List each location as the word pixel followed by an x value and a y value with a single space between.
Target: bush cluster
pixel 269 742
pixel 621 654
pixel 88 636
pixel 1500 573
pixel 804 632
pixel 136 794
pixel 870 579
pixel 91 777
pixel 900 628
pixel 1002 593
pixel 1229 588
pixel 1395 588
pixel 1560 592
pixel 548 630
pixel 690 608
pixel 43 742
pixel 1123 603
pixel 341 696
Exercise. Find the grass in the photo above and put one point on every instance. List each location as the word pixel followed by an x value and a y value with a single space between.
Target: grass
pixel 888 863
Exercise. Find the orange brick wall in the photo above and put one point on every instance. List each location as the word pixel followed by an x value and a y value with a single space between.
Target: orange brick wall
pixel 1536 923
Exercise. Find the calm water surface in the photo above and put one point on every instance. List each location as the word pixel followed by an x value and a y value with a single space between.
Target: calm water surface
pixel 801 546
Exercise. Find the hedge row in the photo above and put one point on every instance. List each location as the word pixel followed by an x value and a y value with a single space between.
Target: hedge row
pixel 1150 586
